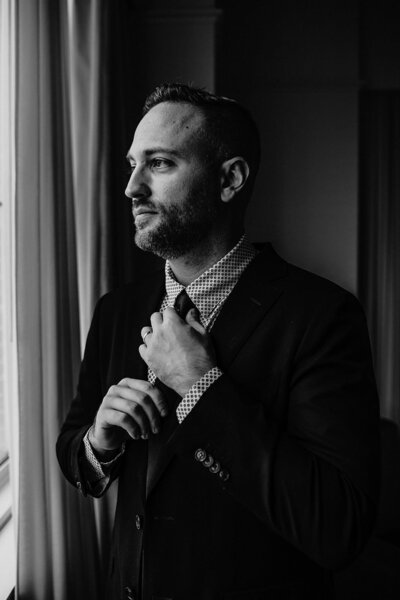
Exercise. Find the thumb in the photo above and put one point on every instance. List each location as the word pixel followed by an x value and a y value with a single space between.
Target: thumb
pixel 193 319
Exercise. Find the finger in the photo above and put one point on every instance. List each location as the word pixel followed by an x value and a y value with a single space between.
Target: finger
pixel 170 313
pixel 149 389
pixel 142 409
pixel 116 418
pixel 152 413
pixel 138 406
pixel 156 319
pixel 193 319
pixel 144 332
pixel 143 352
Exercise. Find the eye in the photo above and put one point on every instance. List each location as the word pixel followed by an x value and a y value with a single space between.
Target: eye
pixel 160 163
pixel 130 168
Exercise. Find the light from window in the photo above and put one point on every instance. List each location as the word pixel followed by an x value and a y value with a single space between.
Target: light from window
pixel 8 358
pixel 3 433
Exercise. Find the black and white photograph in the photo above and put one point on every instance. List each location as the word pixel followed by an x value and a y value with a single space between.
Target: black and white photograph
pixel 199 300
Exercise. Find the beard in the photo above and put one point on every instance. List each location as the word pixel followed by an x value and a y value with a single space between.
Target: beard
pixel 181 227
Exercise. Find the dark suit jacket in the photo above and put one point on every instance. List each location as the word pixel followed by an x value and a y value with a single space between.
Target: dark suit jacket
pixel 293 421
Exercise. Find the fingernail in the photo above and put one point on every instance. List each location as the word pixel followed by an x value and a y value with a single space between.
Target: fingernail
pixel 155 430
pixel 164 412
pixel 145 436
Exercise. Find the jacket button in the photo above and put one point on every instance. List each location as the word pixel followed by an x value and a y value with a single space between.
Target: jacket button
pixel 224 475
pixel 215 468
pixel 209 461
pixel 138 522
pixel 129 594
pixel 200 455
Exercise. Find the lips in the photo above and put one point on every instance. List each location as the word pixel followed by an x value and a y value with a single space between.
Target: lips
pixel 141 208
pixel 143 211
pixel 142 217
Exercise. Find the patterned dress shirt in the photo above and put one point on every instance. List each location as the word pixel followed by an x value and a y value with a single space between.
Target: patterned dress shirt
pixel 208 293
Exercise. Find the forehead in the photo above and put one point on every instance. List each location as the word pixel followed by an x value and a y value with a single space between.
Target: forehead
pixel 170 125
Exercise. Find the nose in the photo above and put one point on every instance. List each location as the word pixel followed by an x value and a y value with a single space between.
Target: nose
pixel 137 186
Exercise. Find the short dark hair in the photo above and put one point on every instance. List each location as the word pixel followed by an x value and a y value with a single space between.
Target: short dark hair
pixel 229 127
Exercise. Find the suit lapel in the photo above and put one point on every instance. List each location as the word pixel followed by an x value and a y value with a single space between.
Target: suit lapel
pixel 255 293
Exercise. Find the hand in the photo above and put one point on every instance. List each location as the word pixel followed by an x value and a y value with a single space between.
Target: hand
pixel 132 408
pixel 179 352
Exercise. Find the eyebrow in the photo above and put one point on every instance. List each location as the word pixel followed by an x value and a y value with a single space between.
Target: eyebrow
pixel 161 149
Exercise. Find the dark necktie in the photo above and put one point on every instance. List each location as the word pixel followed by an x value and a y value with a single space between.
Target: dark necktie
pixel 183 304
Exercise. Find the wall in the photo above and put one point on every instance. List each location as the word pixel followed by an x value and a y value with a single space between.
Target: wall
pixel 299 66
pixel 295 65
pixel 175 42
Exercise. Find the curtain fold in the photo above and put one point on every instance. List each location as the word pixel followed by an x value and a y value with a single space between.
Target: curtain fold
pixel 61 269
pixel 379 262
pixel 84 35
pixel 7 236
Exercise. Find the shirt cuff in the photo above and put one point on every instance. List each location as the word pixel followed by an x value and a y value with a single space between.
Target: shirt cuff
pixel 95 469
pixel 196 392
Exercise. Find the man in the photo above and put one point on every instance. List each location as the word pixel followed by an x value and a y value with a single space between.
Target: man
pixel 233 396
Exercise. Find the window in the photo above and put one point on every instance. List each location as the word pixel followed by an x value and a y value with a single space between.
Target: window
pixel 5 499
pixel 7 384
pixel 7 543
pixel 8 361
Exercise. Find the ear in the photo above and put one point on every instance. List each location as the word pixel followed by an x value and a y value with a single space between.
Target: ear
pixel 234 174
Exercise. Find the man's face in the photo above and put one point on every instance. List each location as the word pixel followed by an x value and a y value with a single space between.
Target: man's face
pixel 174 191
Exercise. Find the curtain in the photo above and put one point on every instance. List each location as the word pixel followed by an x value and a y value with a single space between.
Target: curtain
pixel 61 269
pixel 8 354
pixel 379 263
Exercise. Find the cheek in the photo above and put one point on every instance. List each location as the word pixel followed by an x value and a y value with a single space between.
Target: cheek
pixel 174 191
pixel 169 189
pixel 177 189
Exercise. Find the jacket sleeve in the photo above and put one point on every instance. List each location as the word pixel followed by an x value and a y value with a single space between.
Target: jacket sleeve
pixel 70 446
pixel 312 476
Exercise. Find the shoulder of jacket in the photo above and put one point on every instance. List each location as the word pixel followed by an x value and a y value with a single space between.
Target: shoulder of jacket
pixel 316 291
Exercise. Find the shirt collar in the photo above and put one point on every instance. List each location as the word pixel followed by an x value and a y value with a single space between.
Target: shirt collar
pixel 213 286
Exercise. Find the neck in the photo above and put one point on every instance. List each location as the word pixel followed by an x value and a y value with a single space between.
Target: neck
pixel 190 266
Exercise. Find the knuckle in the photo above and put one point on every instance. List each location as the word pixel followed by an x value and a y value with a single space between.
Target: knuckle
pixel 135 409
pixel 113 417
pixel 148 387
pixel 124 420
pixel 146 400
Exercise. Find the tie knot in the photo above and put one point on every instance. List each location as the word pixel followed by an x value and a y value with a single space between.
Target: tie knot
pixel 183 304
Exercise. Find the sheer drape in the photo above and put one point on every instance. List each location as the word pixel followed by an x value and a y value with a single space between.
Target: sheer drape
pixel 61 252
pixel 8 354
pixel 380 238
